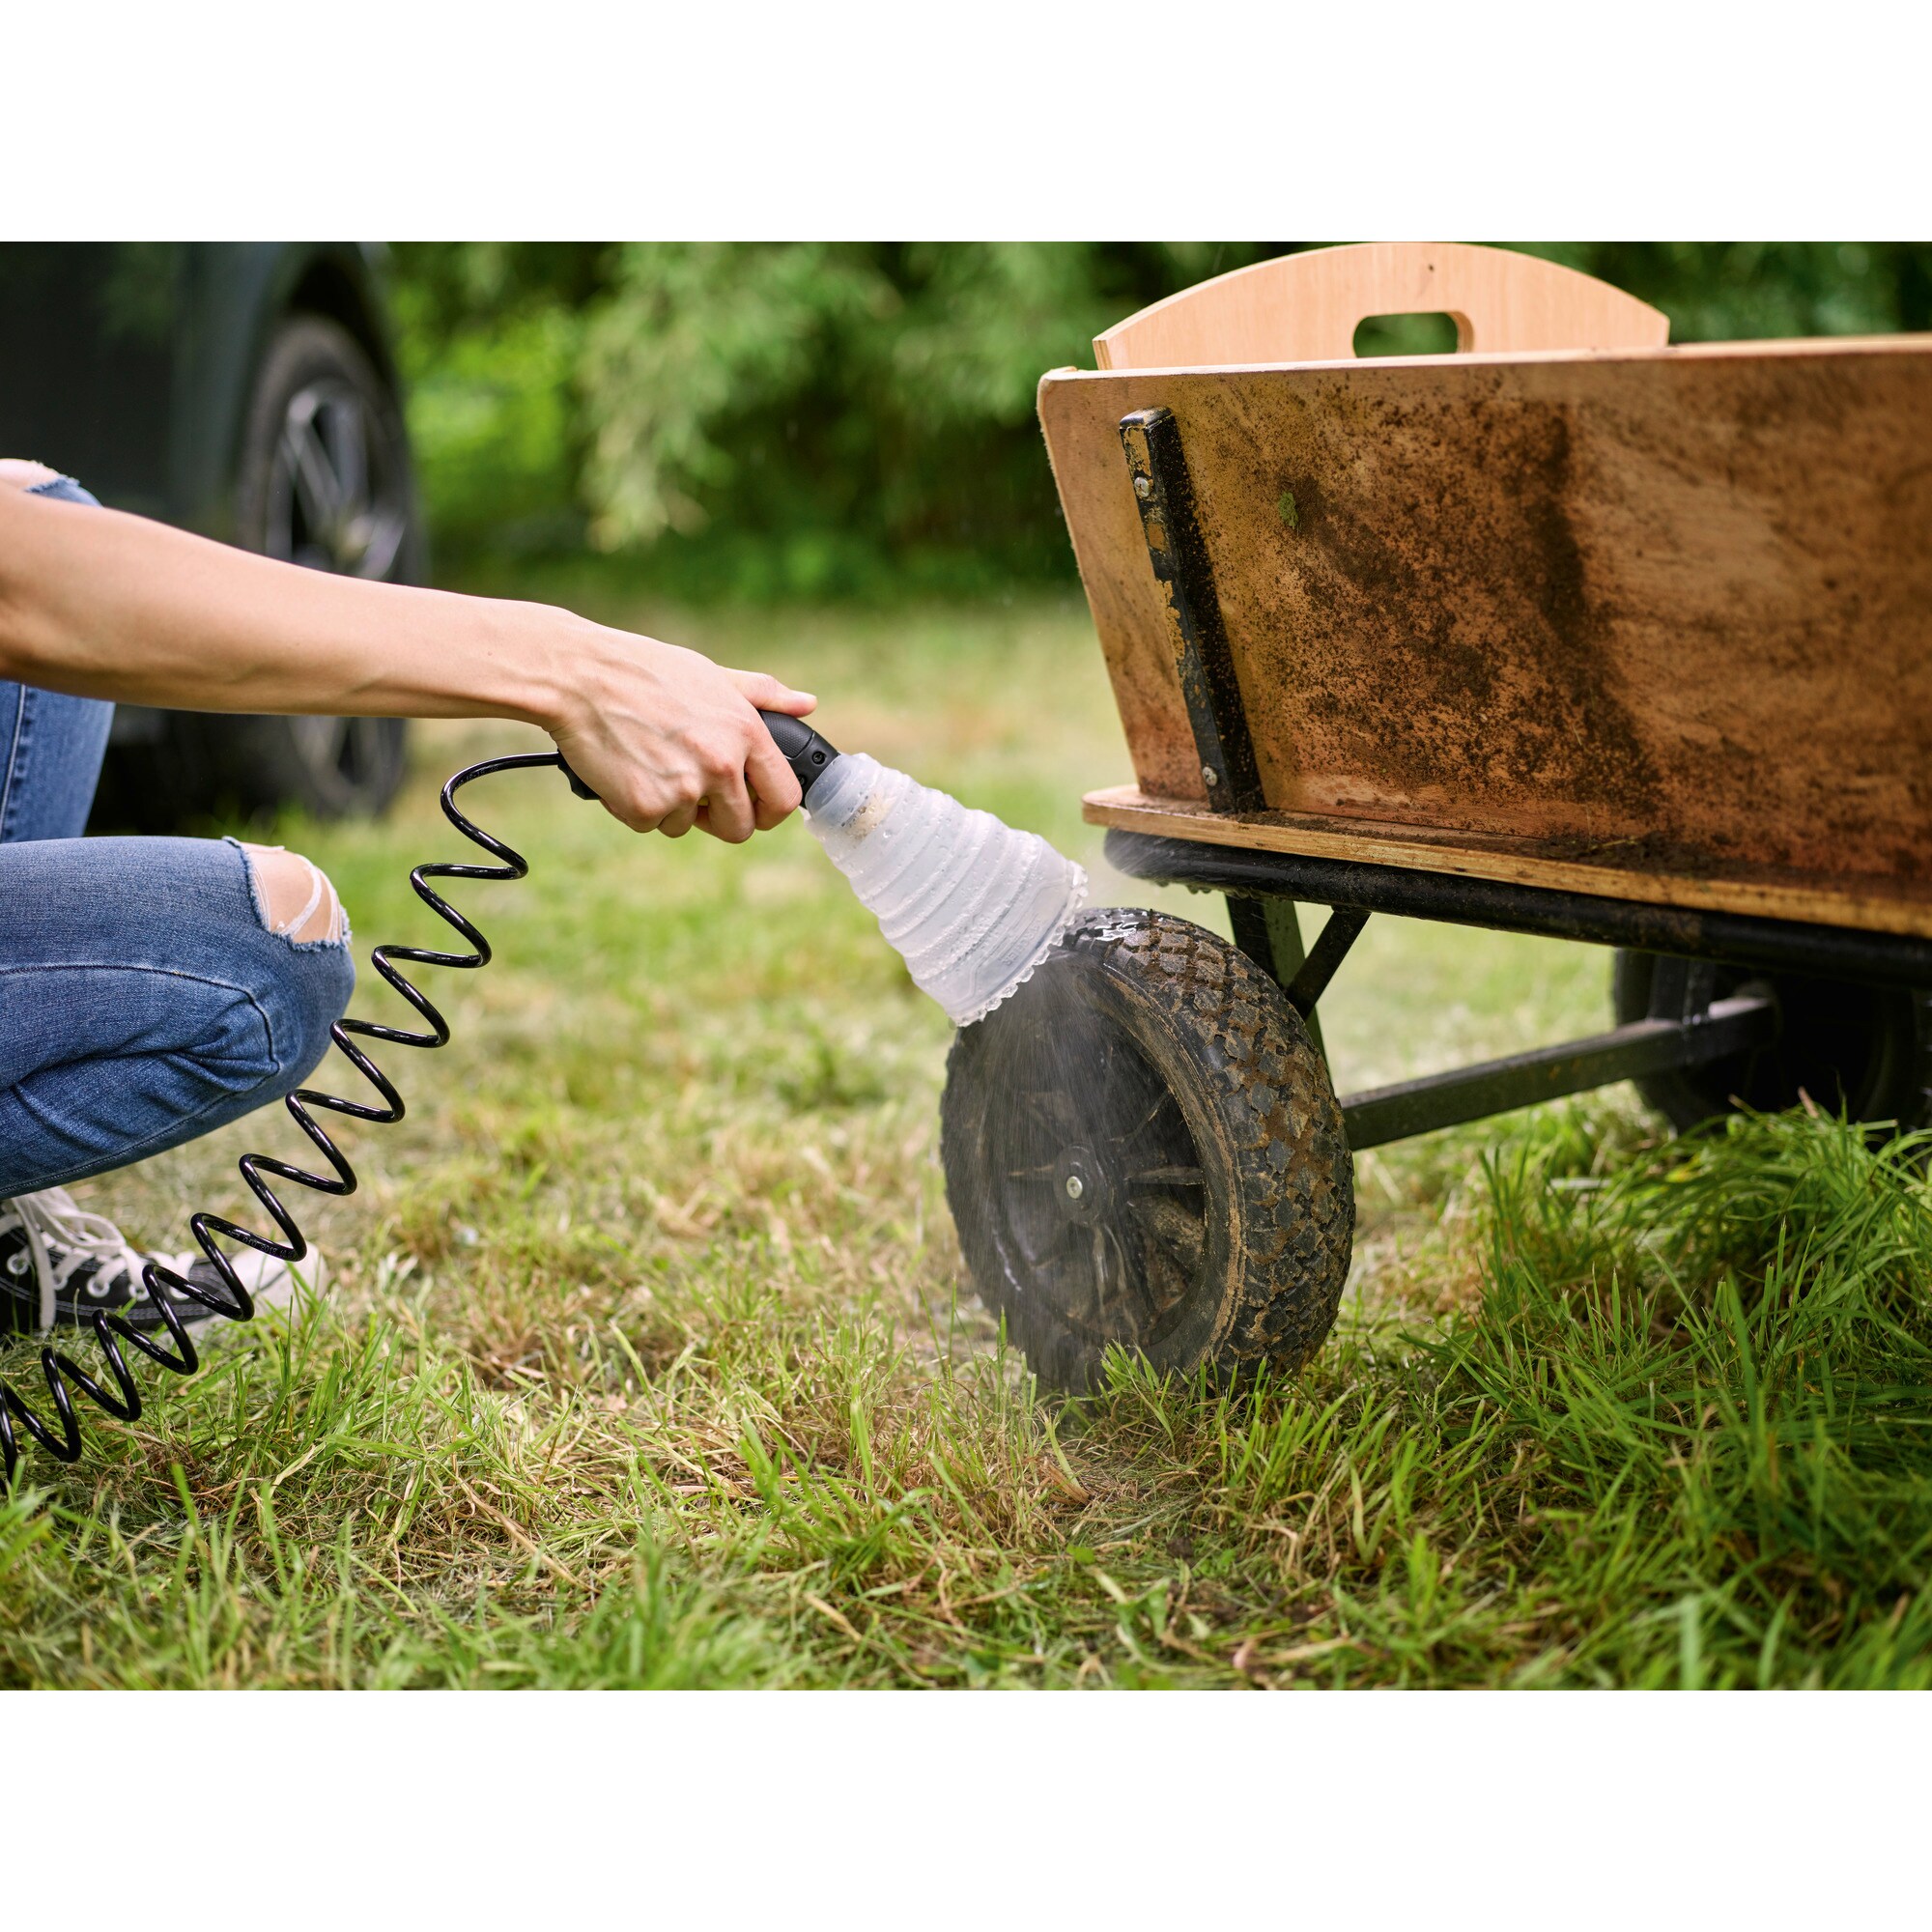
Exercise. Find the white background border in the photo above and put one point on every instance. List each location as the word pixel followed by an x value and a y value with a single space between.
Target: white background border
pixel 1134 121
pixel 1185 118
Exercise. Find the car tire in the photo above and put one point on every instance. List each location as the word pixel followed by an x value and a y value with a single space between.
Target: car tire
pixel 324 481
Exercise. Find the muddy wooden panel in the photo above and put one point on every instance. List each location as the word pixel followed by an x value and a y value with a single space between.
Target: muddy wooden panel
pixel 1669 610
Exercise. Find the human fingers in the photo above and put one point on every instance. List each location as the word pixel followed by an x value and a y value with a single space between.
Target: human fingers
pixel 679 820
pixel 767 694
pixel 726 810
pixel 765 816
pixel 772 782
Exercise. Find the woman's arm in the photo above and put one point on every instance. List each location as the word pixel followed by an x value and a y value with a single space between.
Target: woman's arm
pixel 103 605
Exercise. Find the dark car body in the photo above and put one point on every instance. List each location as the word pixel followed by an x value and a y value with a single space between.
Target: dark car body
pixel 134 366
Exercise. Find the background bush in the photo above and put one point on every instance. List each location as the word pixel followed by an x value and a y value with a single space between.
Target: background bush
pixel 815 420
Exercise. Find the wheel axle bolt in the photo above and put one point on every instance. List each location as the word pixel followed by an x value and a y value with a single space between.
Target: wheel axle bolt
pixel 1076 1187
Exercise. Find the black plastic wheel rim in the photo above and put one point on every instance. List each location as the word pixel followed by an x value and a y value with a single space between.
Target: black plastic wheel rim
pixel 335 495
pixel 1845 1046
pixel 1098 1201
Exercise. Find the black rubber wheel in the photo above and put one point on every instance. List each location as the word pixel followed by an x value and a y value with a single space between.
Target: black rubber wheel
pixel 324 481
pixel 1867 1050
pixel 1142 1148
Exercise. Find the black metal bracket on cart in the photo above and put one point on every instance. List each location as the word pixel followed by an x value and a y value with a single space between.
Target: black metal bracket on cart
pixel 1261 888
pixel 1164 496
pixel 1268 932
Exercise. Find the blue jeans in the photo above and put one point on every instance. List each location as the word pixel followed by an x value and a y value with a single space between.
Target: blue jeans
pixel 143 1001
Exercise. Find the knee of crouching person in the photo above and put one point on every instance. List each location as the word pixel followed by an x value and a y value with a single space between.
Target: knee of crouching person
pixel 294 897
pixel 295 902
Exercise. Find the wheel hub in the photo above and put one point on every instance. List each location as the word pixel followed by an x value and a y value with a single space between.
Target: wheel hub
pixel 1082 1191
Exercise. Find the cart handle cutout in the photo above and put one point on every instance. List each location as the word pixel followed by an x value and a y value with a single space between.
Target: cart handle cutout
pixel 1410 333
pixel 1307 307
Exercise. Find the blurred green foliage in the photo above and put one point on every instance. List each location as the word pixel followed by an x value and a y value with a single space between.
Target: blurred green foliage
pixel 815 419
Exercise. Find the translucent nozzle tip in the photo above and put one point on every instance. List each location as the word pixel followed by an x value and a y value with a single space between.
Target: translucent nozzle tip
pixel 970 904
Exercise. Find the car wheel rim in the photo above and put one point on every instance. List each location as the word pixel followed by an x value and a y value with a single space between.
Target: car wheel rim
pixel 336 499
pixel 351 750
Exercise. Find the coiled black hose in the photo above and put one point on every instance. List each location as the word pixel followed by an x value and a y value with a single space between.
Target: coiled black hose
pixel 63 1374
pixel 808 754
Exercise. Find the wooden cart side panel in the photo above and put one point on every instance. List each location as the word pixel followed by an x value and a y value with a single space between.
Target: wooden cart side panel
pixel 1677 605
pixel 1881 906
pixel 1083 445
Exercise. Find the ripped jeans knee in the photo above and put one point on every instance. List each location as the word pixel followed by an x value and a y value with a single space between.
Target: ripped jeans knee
pixel 293 898
pixel 151 990
pixel 298 911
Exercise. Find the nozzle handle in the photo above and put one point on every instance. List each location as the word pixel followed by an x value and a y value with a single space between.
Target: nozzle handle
pixel 808 754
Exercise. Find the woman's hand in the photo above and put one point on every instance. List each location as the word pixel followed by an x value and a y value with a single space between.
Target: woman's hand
pixel 668 740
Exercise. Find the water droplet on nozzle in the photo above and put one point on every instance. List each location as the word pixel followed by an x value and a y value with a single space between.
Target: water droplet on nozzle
pixel 970 904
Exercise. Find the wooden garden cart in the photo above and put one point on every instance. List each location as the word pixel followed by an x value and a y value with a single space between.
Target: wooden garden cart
pixel 1569 633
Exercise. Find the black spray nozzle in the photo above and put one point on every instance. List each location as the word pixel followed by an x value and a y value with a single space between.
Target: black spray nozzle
pixel 808 754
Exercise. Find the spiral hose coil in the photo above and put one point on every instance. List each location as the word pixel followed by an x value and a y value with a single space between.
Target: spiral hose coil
pixel 63 1374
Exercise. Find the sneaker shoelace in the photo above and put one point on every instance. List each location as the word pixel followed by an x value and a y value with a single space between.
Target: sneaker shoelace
pixel 63 1237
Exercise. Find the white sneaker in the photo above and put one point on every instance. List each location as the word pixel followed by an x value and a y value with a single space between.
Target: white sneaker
pixel 60 1264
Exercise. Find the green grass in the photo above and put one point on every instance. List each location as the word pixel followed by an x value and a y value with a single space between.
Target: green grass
pixel 647 1359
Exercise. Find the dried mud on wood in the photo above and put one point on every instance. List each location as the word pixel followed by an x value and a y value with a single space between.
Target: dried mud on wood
pixel 1673 610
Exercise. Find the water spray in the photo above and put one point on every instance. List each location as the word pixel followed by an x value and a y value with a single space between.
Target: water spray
pixel 971 905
